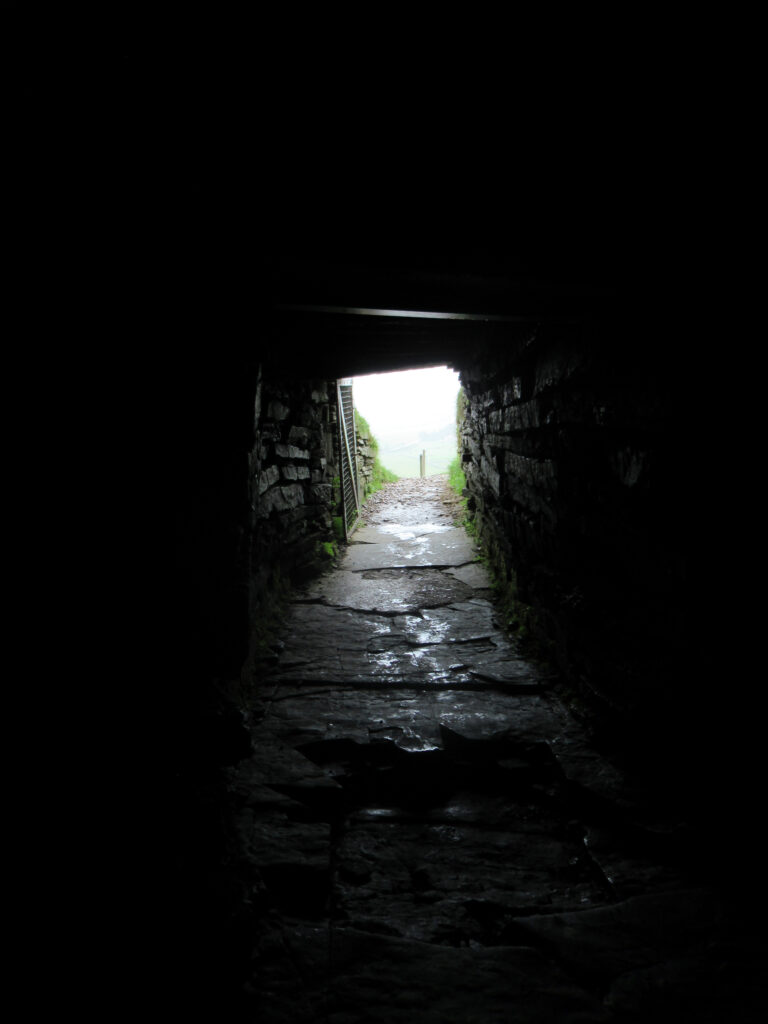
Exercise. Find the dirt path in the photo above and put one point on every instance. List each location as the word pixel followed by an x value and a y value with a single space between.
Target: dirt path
pixel 434 837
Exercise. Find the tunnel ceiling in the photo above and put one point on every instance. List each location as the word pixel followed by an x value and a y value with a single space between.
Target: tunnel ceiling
pixel 385 311
pixel 283 274
pixel 317 209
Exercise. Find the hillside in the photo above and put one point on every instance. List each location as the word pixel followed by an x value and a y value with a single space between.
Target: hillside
pixel 400 451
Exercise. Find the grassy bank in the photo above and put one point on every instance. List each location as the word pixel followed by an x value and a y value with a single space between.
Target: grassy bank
pixel 456 479
pixel 381 475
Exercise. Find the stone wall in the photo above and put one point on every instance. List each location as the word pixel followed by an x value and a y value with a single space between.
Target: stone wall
pixel 257 495
pixel 292 469
pixel 366 456
pixel 573 470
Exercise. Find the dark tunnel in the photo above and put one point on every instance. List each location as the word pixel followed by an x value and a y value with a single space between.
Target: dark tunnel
pixel 281 206
pixel 574 454
pixel 557 313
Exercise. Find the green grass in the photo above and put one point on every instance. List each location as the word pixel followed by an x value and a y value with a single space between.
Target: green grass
pixel 456 478
pixel 381 476
pixel 457 481
pixel 362 428
pixel 405 460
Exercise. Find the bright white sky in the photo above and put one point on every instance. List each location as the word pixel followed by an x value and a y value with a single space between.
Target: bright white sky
pixel 408 400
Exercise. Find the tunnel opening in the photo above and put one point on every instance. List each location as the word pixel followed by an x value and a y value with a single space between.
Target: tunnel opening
pixel 412 417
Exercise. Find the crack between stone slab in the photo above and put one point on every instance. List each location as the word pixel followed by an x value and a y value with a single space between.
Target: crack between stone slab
pixel 440 643
pixel 413 568
pixel 397 683
pixel 408 610
pixel 303 695
pixel 401 638
pixel 388 613
pixel 488 677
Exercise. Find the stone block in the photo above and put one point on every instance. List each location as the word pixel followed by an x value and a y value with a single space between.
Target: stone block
pixel 298 435
pixel 522 417
pixel 290 451
pixel 536 472
pixel 268 476
pixel 490 476
pixel 283 498
pixel 512 391
pixel 493 443
pixel 321 494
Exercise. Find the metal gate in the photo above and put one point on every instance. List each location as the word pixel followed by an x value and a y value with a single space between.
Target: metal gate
pixel 349 487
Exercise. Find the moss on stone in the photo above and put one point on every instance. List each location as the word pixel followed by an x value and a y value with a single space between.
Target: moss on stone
pixel 329 549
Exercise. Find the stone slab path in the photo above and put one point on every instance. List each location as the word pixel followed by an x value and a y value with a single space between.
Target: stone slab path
pixel 435 837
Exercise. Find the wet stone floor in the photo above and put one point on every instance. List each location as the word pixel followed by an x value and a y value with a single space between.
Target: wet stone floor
pixel 435 837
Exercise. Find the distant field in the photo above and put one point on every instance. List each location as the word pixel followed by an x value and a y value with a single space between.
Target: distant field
pixel 405 459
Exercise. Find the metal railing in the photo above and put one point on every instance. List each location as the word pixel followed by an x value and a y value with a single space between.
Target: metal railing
pixel 348 445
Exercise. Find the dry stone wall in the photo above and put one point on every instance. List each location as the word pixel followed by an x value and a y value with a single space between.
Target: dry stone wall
pixel 572 464
pixel 366 456
pixel 292 469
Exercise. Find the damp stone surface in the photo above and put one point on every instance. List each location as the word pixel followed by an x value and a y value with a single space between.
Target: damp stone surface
pixel 434 836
